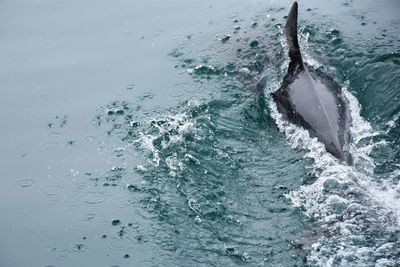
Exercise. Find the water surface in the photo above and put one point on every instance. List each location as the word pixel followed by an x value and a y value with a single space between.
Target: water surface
pixel 142 134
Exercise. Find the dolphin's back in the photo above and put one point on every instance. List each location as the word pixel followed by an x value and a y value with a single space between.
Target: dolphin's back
pixel 319 108
pixel 312 99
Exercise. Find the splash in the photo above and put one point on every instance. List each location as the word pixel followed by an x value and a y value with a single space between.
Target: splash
pixel 166 133
pixel 357 217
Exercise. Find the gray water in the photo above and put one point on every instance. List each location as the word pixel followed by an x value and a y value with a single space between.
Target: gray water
pixel 142 134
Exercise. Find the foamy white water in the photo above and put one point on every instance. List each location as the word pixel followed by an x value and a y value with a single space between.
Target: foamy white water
pixel 167 131
pixel 350 207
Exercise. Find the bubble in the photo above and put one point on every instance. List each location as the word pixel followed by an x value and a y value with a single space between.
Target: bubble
pixel 25 183
pixel 230 250
pixel 254 44
pixel 205 70
pixel 50 146
pixel 78 247
pixel 74 172
pixel 64 253
pixel 244 71
pixel 90 216
pixel 225 38
pixel 197 219
pixel 176 36
pixel 94 198
pixel 157 32
pixel 130 86
pixel 119 243
pixel 145 263
pixel 90 138
pixel 115 168
pixel 146 96
pixel 70 143
pixel 233 15
pixel 52 190
pixel 133 225
pixel 140 168
pixel 116 222
pixel 84 224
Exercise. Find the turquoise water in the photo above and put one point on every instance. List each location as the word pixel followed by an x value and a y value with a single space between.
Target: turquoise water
pixel 143 134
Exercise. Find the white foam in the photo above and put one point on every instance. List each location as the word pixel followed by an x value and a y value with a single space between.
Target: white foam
pixel 380 201
pixel 326 207
pixel 393 122
pixel 167 131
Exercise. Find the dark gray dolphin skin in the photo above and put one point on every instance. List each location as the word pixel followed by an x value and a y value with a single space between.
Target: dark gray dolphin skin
pixel 313 100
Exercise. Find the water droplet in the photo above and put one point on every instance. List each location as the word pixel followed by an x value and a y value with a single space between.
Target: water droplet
pixel 233 15
pixel 94 198
pixel 84 224
pixel 90 138
pixel 50 146
pixel 90 216
pixel 52 190
pixel 130 86
pixel 230 250
pixel 244 71
pixel 156 33
pixel 25 183
pixel 64 253
pixel 114 169
pixel 133 225
pixel 254 44
pixel 225 38
pixel 197 219
pixel 140 168
pixel 119 111
pixel 116 222
pixel 79 247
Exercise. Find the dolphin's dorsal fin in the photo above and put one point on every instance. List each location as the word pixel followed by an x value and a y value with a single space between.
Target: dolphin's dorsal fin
pixel 296 62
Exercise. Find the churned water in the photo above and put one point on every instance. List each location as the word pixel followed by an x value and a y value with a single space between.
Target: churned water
pixel 143 134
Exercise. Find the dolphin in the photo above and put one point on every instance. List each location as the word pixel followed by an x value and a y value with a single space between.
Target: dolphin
pixel 313 100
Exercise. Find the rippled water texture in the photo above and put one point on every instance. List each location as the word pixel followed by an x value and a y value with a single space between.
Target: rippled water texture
pixel 143 134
